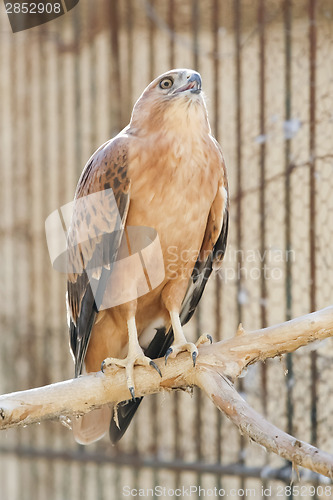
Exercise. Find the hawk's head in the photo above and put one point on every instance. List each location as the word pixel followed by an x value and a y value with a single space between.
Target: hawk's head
pixel 174 98
pixel 178 81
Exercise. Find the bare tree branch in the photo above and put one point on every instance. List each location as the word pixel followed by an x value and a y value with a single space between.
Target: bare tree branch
pixel 226 398
pixel 218 365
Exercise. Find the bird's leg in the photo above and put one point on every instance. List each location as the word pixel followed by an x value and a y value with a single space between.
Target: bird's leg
pixel 134 357
pixel 180 343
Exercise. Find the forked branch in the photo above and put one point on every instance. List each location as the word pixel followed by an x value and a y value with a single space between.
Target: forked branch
pixel 217 367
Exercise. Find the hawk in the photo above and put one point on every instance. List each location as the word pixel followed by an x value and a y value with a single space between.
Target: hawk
pixel 164 173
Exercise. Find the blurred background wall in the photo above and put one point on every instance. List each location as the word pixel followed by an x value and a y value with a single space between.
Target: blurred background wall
pixel 68 86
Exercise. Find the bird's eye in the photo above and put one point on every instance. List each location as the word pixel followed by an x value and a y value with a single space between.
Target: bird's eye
pixel 166 83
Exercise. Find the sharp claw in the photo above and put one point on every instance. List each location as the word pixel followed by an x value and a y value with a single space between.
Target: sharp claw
pixel 210 338
pixel 103 366
pixel 194 357
pixel 154 365
pixel 167 354
pixel 131 389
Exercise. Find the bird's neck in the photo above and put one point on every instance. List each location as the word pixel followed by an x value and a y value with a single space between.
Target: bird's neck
pixel 187 118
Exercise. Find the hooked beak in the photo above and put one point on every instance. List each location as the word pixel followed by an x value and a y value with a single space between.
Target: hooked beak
pixel 193 84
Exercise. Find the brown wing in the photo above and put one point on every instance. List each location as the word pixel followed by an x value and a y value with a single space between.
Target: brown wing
pixel 100 210
pixel 213 245
pixel 211 253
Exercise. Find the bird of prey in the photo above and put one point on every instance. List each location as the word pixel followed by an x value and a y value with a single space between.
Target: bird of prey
pixel 166 173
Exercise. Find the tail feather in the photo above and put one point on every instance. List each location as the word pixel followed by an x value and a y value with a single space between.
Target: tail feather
pixel 92 426
pixel 125 412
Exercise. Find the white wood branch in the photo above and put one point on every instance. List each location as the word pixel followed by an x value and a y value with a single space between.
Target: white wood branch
pixel 223 394
pixel 218 365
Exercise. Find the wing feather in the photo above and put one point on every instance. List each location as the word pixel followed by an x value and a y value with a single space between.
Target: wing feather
pixel 94 237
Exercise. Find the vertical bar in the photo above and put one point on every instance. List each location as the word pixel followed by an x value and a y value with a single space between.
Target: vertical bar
pixel 312 194
pixel 287 201
pixel 116 67
pixel 176 395
pixel 92 11
pixel 262 198
pixel 238 131
pixel 152 75
pixel 172 37
pixel 26 141
pixel 33 348
pixel 75 29
pixel 287 31
pixel 262 204
pixel 198 400
pixel 76 26
pixel 155 432
pixel 312 147
pixel 129 29
pixel 154 400
pixel 129 103
pixel 151 35
pixel 195 39
pixel 216 66
pixel 176 434
pixel 7 48
pixel 4 465
pixel 262 118
pixel 99 484
pixel 16 278
pixel 218 281
pixel 50 131
pixel 117 480
pixel 288 270
pixel 197 431
pixel 58 166
pixel 22 180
